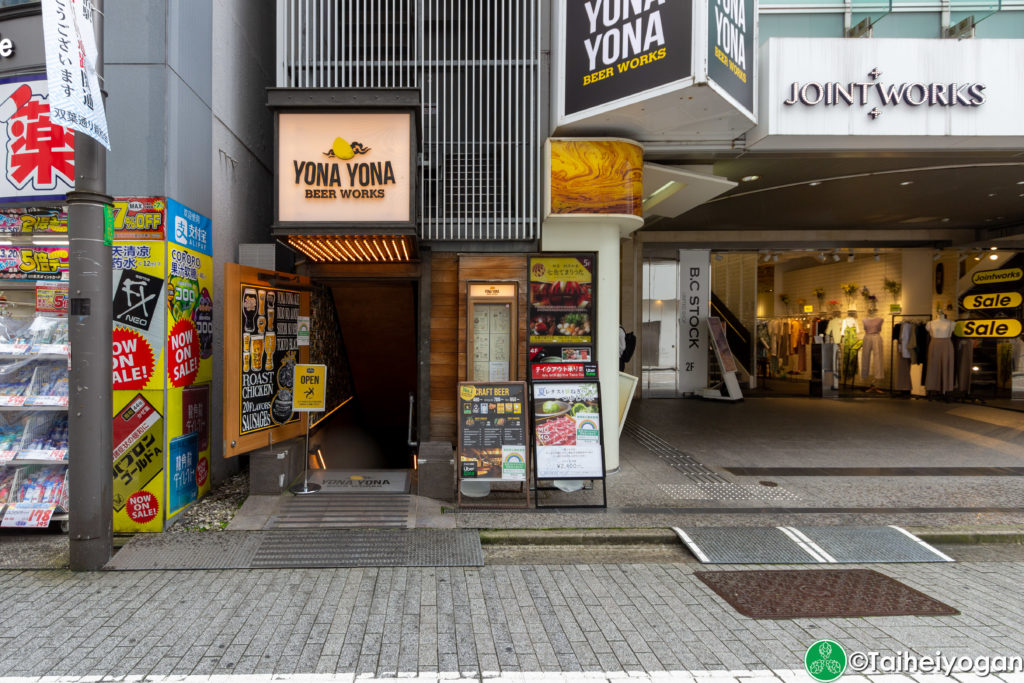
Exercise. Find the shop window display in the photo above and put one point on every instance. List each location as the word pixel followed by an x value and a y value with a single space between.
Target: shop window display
pixel 34 357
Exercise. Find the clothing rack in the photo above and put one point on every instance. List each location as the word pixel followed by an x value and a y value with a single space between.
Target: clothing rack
pixel 892 351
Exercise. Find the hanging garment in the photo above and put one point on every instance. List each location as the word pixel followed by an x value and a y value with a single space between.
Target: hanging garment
pixel 834 331
pixel 901 376
pixel 920 353
pixel 964 364
pixel 906 334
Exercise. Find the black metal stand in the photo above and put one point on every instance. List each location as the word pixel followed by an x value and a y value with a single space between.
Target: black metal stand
pixel 306 486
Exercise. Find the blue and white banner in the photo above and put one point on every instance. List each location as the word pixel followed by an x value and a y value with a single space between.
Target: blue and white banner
pixel 75 98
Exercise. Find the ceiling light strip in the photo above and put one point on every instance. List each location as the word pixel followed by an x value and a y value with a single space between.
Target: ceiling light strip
pixel 308 248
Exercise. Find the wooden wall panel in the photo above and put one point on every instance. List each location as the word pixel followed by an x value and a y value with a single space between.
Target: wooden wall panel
pixel 444 375
pixel 451 275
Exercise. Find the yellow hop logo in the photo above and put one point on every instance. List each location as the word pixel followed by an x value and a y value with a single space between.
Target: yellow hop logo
pixel 341 149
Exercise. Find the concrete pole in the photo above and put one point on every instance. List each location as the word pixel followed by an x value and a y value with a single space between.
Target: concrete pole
pixel 604 239
pixel 89 326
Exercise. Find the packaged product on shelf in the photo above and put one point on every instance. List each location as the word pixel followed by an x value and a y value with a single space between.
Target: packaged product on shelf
pixel 14 335
pixel 46 434
pixel 51 380
pixel 15 378
pixel 41 484
pixel 6 484
pixel 10 439
pixel 47 330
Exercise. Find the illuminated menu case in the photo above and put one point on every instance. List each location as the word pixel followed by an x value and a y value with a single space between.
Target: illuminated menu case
pixel 491 332
pixel 562 322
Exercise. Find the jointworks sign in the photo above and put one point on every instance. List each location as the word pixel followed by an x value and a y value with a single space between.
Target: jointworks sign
pixel 823 93
pixel 344 168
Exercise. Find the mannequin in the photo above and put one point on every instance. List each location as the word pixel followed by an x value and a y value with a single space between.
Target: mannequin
pixel 871 355
pixel 939 377
pixel 850 344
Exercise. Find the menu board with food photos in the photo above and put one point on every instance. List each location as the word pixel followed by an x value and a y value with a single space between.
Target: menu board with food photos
pixel 562 307
pixel 492 431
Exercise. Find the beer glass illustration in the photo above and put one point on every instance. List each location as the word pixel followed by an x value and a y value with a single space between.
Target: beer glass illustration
pixel 246 337
pixel 257 352
pixel 261 324
pixel 249 309
pixel 263 301
pixel 269 344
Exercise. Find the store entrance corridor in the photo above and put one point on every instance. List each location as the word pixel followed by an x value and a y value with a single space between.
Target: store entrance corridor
pixel 378 327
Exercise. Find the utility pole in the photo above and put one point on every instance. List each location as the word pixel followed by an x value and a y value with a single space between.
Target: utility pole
pixel 90 403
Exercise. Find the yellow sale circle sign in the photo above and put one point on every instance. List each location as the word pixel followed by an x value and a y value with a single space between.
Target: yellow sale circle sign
pixel 310 388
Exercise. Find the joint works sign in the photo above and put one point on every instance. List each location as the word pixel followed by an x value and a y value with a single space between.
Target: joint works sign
pixel 616 49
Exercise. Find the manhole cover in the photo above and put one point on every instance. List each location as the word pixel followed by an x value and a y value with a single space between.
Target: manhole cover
pixel 792 594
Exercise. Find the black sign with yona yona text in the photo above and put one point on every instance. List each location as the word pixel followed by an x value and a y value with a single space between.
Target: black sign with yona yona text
pixel 616 49
pixel 731 48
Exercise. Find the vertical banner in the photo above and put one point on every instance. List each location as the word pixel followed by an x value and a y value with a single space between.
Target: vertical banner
pixel 731 49
pixel 138 461
pixel 70 39
pixel 695 294
pixel 39 155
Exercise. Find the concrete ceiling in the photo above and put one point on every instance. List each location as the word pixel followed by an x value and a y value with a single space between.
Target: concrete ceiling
pixel 964 199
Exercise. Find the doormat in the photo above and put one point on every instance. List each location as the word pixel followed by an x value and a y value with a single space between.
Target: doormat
pixel 360 481
pixel 802 593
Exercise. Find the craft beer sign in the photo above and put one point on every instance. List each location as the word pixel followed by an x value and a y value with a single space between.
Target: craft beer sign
pixel 344 168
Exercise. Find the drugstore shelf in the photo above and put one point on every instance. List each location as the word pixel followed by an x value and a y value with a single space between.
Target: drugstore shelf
pixel 29 409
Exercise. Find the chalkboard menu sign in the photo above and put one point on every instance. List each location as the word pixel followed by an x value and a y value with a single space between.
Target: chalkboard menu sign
pixel 269 351
pixel 492 431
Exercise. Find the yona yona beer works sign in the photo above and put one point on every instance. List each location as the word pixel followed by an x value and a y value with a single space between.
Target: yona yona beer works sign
pixel 356 167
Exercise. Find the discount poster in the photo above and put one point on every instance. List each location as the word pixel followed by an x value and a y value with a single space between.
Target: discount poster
pixel 189 296
pixel 139 450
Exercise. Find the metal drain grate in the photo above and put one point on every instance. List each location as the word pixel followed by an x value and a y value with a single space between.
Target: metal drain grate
pixel 300 548
pixel 370 548
pixel 209 550
pixel 726 491
pixel 327 511
pixel 795 594
pixel 683 462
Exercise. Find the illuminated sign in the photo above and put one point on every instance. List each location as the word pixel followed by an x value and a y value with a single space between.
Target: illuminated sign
pixel 344 168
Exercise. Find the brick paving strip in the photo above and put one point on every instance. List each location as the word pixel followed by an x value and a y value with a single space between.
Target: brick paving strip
pixel 522 622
